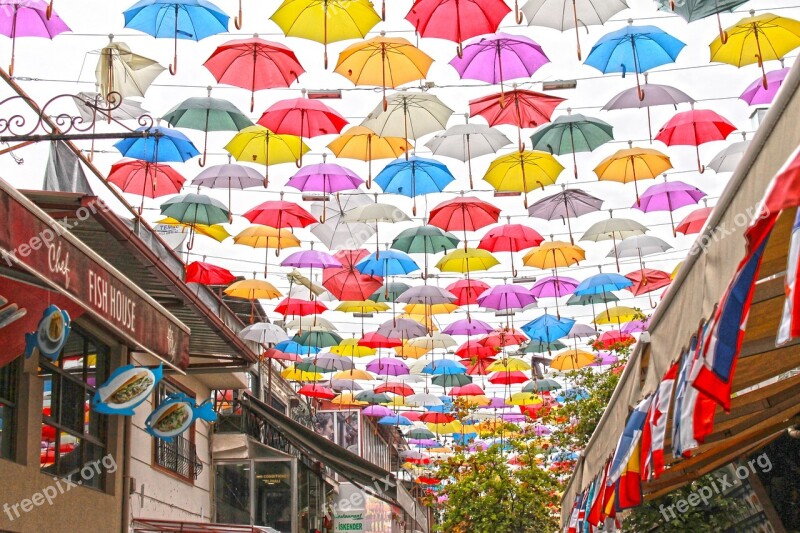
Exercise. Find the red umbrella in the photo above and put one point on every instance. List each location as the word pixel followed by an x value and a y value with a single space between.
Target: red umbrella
pixel 457 21
pixel 374 340
pixel 432 417
pixel 519 107
pixel 280 214
pixel 694 221
pixel 693 128
pixel 467 290
pixel 146 179
pixel 254 64
pixel 412 415
pixel 466 213
pixel 315 390
pixel 272 353
pixel 466 390
pixel 302 117
pixel 395 388
pixel 298 307
pixel 508 378
pixel 503 337
pixel 346 282
pixel 208 274
pixel 477 367
pixel 474 349
pixel 510 238
pixel 428 480
pixel 647 280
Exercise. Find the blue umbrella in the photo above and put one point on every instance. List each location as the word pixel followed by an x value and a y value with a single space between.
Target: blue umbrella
pixel 446 407
pixel 572 395
pixel 293 347
pixel 634 49
pixel 176 19
pixel 414 177
pixel 548 328
pixel 395 420
pixel 160 145
pixel 444 367
pixel 465 438
pixel 602 283
pixel 390 263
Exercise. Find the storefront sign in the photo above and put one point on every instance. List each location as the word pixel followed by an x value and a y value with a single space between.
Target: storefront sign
pixel 30 238
pixel 355 510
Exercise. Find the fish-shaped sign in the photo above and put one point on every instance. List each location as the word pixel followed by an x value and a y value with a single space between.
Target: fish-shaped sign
pixel 51 334
pixel 126 388
pixel 175 414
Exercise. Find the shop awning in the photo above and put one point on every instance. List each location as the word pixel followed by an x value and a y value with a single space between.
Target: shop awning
pixel 155 525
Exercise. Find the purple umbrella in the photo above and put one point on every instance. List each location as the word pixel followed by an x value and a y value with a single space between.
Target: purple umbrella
pixel 540 430
pixel 499 57
pixel 423 443
pixel 388 367
pixel 554 287
pixel 376 411
pixel 655 95
pixel 468 326
pixel 604 359
pixel 506 297
pixel 426 295
pixel 635 326
pixel 756 94
pixel 311 259
pixel 564 205
pixel 668 196
pixel 513 417
pixel 497 403
pixel 28 18
pixel 325 178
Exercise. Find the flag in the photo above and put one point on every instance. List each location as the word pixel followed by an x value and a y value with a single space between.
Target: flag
pixel 655 427
pixel 629 439
pixel 628 489
pixel 595 516
pixel 790 320
pixel 572 525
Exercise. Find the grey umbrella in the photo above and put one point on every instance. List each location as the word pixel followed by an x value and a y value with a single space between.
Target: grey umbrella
pixel 565 205
pixel 465 141
pixel 230 176
pixel 402 328
pixel 263 333
pixel 334 233
pixel 728 159
pixel 639 246
pixel 655 95
pixel 427 295
pixel 613 229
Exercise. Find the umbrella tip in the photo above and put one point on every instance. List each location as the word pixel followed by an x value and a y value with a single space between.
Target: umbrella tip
pixel 752 12
pixel 110 37
pixel 383 33
pixel 255 35
pixel 208 89
pixel 630 22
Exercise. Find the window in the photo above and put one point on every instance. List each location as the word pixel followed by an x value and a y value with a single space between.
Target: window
pixel 73 435
pixel 178 456
pixel 9 391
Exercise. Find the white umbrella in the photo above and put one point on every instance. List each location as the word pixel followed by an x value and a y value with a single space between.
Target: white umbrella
pixel 728 159
pixel 639 246
pixel 334 233
pixel 91 104
pixel 434 341
pixel 263 333
pixel 121 71
pixel 409 115
pixel 423 399
pixel 375 212
pixel 465 141
pixel 311 323
pixel 613 229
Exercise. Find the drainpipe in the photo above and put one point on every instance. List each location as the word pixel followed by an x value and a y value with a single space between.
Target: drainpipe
pixel 126 479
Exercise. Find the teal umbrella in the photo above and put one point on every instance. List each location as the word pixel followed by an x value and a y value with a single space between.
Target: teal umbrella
pixel 372 397
pixel 207 114
pixel 537 346
pixel 691 10
pixel 451 380
pixel 317 339
pixel 542 385
pixel 390 292
pixel 193 209
pixel 571 134
pixel 425 240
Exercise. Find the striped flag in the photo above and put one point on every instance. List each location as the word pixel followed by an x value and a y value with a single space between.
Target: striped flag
pixel 655 426
pixel 790 320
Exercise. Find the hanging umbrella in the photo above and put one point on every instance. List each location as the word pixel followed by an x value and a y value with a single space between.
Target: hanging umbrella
pixel 414 176
pixel 548 328
pixel 757 39
pixel 258 144
pixel 639 246
pixel 207 114
pixel 228 176
pixel 618 315
pixel 647 280
pixel 317 391
pixel 295 374
pixel 613 229
pixel 756 94
pixel 424 240
pixel 363 144
pixel 121 71
pixel 91 105
pixel 346 282
pixel 631 165
pixel 311 259
pixel 335 233
pixel 510 238
pixel 655 95
pixel 158 145
pixel 279 214
pixel 390 292
pixel 28 18
pixel 728 158
pixel 401 328
pixel 311 323
pixel 691 10
pixel 565 205
pixel 694 128
pixel 508 378
pixel 518 107
pixel 694 221
pixel 434 341
pixel 297 307
pixel 465 213
pixel 505 298
pixel 523 171
pixel 215 231
pixel 634 49
pixel 560 15
pixel 375 340
pixel 669 196
pixel 147 179
pixel 542 385
pixel 263 333
pixel 252 289
pixel 319 339
pixel 408 115
pixel 467 290
pixel 254 64
pixel 554 254
pixel 383 61
pixel 375 213
pixel 571 360
pixel 602 283
pixel 468 327
pixel 389 263
pixel 352 348
pixel 266 237
pixel 537 346
pixel 456 21
pixel 451 380
pixel 571 134
pixel 553 287
pixel 426 295
pixel 176 19
pixel 467 260
pixel 592 299
pixel 326 21
pixel 466 141
pixel 325 178
pixel 193 209
pixel 207 274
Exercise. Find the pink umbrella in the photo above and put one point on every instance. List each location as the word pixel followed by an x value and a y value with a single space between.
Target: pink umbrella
pixel 388 366
pixel 635 326
pixel 510 238
pixel 28 18
pixel 311 259
pixel 325 178
pixel 668 196
pixel 377 411
pixel 467 326
pixel 554 287
pixel 467 290
pixel 756 94
pixel 693 128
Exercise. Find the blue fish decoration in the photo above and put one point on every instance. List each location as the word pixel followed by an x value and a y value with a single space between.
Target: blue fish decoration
pixel 126 388
pixel 175 414
pixel 51 334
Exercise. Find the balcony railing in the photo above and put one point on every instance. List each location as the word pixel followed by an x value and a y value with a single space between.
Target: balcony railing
pixel 179 456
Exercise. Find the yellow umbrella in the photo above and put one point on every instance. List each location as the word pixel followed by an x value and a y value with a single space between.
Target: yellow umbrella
pixel 447 427
pixel 756 39
pixel 410 351
pixel 353 375
pixel 347 399
pixel 383 61
pixel 467 260
pixel 351 348
pixel 252 289
pixel 363 144
pixel 431 309
pixel 479 401
pixel 572 360
pixel 553 254
pixel 292 373
pixel 618 315
pixel 257 236
pixel 508 365
pixel 632 165
pixel 523 172
pixel 215 231
pixel 257 144
pixel 326 21
pixel 675 270
pixel 524 398
pixel 359 306
pixel 397 401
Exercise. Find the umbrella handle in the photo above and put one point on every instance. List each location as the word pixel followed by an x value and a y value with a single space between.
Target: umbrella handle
pixel 700 167
pixel 202 160
pixel 49 12
pixel 460 50
pixel 237 21
pixel 517 13
pixel 383 10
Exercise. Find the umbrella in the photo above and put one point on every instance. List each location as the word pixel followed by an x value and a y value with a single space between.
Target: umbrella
pixel 302 117
pixel 121 71
pixel 346 282
pixel 566 204
pixel 728 158
pixel 334 233
pixel 258 236
pixel 318 338
pixel 263 333
pixel 383 61
pixel 252 289
pixel 228 176
pixel 655 95
pixel 395 420
pixel 508 378
pixel 499 57
pixel 465 213
pixel 466 326
pixel 193 209
pixel 633 164
pixel 390 292
pixel 518 107
pixel 451 380
pixel 553 287
pixel 363 144
pixel 510 238
pixel 401 328
pixel 376 411
pixel 691 10
pixel 295 374
pixel 571 134
pixel 639 246
pixel 326 21
pixel 537 346
pixel 147 179
pixel 297 307
pixel 542 385
pixel 408 115
pixel 91 104
pixel 317 391
pixel 457 21
pixel 208 274
pixel 215 231
pixel 207 114
pixel 444 367
pixel 434 341
pixel 554 254
pixel 669 196
pixel 280 214
pixel 389 263
pixel 258 144
pixel 467 260
pixel 325 178
pixel 311 259
pixel 757 39
pixel 352 348
pixel 694 221
pixel 523 171
pixel 28 18
pixel 602 283
pixel 157 145
pixel 176 19
pixel 613 229
pixel 426 295
pixel 647 280
pixel 465 141
pixel 374 340
pixel 618 315
pixel 572 360
pixel 424 240
pixel 414 176
pixel 694 128
pixel 375 212
pixel 254 64
pixel 560 15
pixel 591 299
pixel 506 297
pixel 467 290
pixel 756 94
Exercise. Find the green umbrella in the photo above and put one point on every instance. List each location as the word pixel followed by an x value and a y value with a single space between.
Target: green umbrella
pixel 420 433
pixel 451 380
pixel 425 240
pixel 691 10
pixel 390 292
pixel 373 398
pixel 317 339
pixel 542 385
pixel 207 114
pixel 193 209
pixel 537 346
pixel 571 134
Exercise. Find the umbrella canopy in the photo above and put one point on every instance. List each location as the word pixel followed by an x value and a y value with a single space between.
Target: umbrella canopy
pixel 467 260
pixel 467 290
pixel 157 145
pixel 208 274
pixel 388 263
pixel 466 141
pixel 346 282
pixel 570 134
pixel 390 292
pixel 506 297
pixel 311 259
pixel 252 289
pixel 510 238
pixel 28 18
pixel 613 229
pixel 572 360
pixel 298 307
pixel 258 236
pixel 639 246
pixel 147 179
pixel 756 94
pixel 554 254
pixel 334 232
pixel 326 22
pixel 647 280
pixel 618 315
pixel 457 21
pixel 567 204
pixel 215 231
pixel 693 128
pixel 195 209
pixel 401 328
pixel 692 10
pixel 548 328
pixel 654 95
pixel 669 196
pixel 228 176
pixel 325 178
pixel 279 214
pixel 254 64
pixel 633 164
pixel 414 176
pixel 694 221
pixel 408 115
pixel 602 283
pixel 426 295
pixel 263 333
pixel 728 158
pixel 363 144
pixel 466 213
pixel 553 287
pixel 425 240
pixel 468 326
pixel 523 172
pixel 121 71
pixel 258 144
